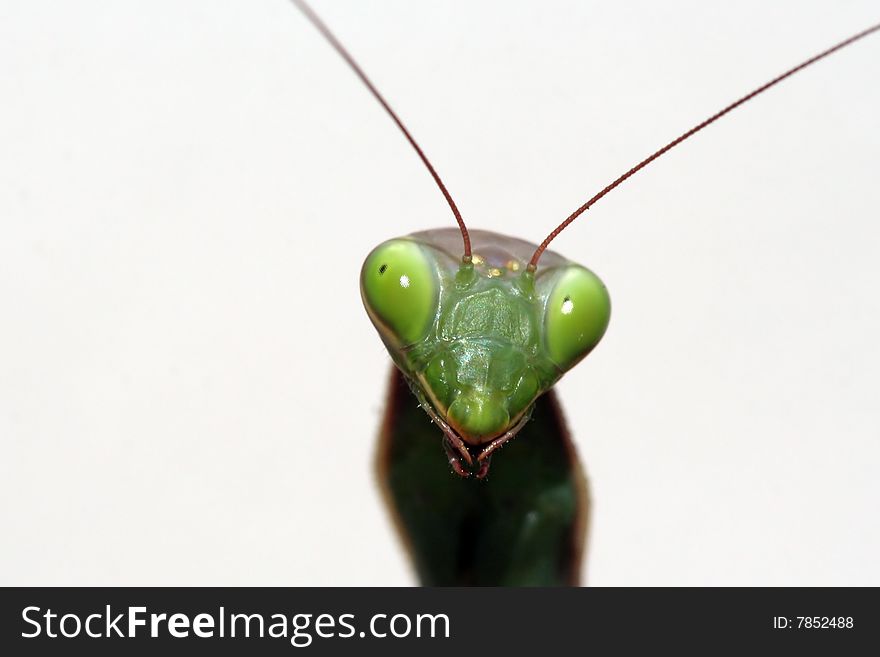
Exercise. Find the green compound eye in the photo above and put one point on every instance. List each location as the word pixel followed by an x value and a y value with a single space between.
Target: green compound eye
pixel 399 288
pixel 576 316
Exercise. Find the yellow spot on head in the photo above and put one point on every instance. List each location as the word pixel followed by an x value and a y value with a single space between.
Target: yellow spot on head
pixel 494 272
pixel 512 265
pixel 404 281
pixel 477 260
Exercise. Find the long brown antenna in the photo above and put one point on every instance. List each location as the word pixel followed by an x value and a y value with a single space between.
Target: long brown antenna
pixel 324 30
pixel 675 142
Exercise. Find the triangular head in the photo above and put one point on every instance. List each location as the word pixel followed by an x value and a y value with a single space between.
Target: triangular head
pixel 479 341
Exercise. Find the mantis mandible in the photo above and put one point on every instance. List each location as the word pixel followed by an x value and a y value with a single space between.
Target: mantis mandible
pixel 481 339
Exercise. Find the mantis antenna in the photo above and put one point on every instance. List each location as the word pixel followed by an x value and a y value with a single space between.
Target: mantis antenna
pixel 533 264
pixel 325 31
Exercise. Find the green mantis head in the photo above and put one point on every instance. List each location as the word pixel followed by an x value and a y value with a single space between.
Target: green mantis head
pixel 479 342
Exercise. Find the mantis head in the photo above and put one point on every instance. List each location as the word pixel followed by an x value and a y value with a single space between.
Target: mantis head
pixel 480 341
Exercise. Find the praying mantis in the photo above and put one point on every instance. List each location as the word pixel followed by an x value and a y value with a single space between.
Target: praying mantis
pixel 192 391
pixel 479 354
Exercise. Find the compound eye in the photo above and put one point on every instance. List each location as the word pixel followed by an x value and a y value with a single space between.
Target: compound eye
pixel 399 288
pixel 576 316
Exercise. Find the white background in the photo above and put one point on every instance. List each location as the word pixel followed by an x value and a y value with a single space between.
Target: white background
pixel 190 390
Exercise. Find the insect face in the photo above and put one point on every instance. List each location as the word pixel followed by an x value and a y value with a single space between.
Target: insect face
pixel 480 341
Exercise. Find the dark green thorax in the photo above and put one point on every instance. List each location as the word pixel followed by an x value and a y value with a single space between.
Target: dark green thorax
pixel 523 525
